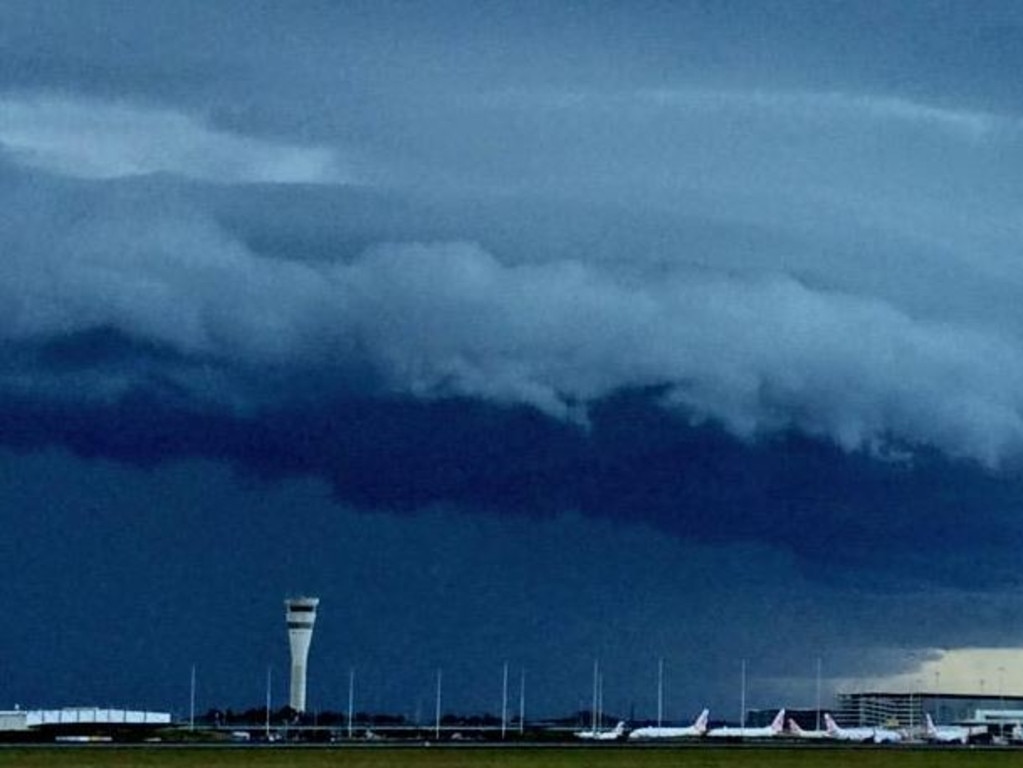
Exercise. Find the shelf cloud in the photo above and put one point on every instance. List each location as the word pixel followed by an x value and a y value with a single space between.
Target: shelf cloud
pixel 758 354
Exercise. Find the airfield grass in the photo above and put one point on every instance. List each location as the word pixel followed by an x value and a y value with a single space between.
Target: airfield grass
pixel 439 757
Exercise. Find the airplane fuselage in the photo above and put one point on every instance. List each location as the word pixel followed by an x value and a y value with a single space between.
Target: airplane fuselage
pixel 731 732
pixel 653 732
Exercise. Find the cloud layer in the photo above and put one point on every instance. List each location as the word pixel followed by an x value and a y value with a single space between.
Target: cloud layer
pixel 180 287
pixel 96 140
pixel 756 353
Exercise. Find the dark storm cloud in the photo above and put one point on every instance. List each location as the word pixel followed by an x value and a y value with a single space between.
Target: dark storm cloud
pixel 848 520
pixel 228 320
pixel 756 353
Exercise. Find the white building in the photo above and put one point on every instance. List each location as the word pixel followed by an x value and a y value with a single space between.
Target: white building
pixel 80 717
pixel 301 616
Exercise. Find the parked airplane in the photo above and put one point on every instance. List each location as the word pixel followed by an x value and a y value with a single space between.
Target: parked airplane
pixel 1016 734
pixel 876 735
pixel 799 733
pixel 887 736
pixel 698 728
pixel 767 732
pixel 596 735
pixel 949 733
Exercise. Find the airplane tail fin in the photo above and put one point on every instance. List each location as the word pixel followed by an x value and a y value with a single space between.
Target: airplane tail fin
pixel 778 724
pixel 830 723
pixel 929 723
pixel 794 727
pixel 700 725
pixel 620 728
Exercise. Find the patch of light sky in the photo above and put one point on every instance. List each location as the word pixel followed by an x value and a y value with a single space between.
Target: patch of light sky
pixel 990 671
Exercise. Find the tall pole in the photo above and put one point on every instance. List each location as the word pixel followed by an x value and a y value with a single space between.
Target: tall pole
pixel 191 702
pixel 742 699
pixel 912 733
pixel 818 693
pixel 660 691
pixel 351 699
pixel 436 729
pixel 504 702
pixel 593 710
pixel 522 701
pixel 919 700
pixel 269 683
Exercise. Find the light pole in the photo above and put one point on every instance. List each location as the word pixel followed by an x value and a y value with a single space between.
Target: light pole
pixel 269 688
pixel 742 699
pixel 818 727
pixel 660 692
pixel 191 702
pixel 504 702
pixel 912 710
pixel 436 727
pixel 522 702
pixel 351 699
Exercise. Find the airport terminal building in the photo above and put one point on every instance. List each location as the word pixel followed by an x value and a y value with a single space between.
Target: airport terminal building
pixel 904 710
pixel 79 723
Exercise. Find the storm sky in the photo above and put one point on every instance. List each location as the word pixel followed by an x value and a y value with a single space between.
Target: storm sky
pixel 517 332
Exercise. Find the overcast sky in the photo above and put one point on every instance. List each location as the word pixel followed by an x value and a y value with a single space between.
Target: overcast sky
pixel 529 332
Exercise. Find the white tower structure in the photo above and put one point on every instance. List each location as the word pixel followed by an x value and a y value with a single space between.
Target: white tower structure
pixel 301 615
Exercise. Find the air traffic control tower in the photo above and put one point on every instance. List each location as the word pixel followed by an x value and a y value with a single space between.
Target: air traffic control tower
pixel 301 615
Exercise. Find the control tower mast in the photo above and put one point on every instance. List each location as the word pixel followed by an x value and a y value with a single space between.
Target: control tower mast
pixel 301 616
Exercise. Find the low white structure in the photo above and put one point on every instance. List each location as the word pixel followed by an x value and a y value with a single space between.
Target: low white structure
pixel 95 715
pixel 22 720
pixel 14 720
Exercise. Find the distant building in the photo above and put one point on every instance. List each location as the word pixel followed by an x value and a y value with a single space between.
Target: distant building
pixel 14 720
pixel 908 709
pixel 84 722
pixel 95 715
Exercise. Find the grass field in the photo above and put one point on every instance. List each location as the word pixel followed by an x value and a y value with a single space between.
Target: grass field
pixel 439 757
